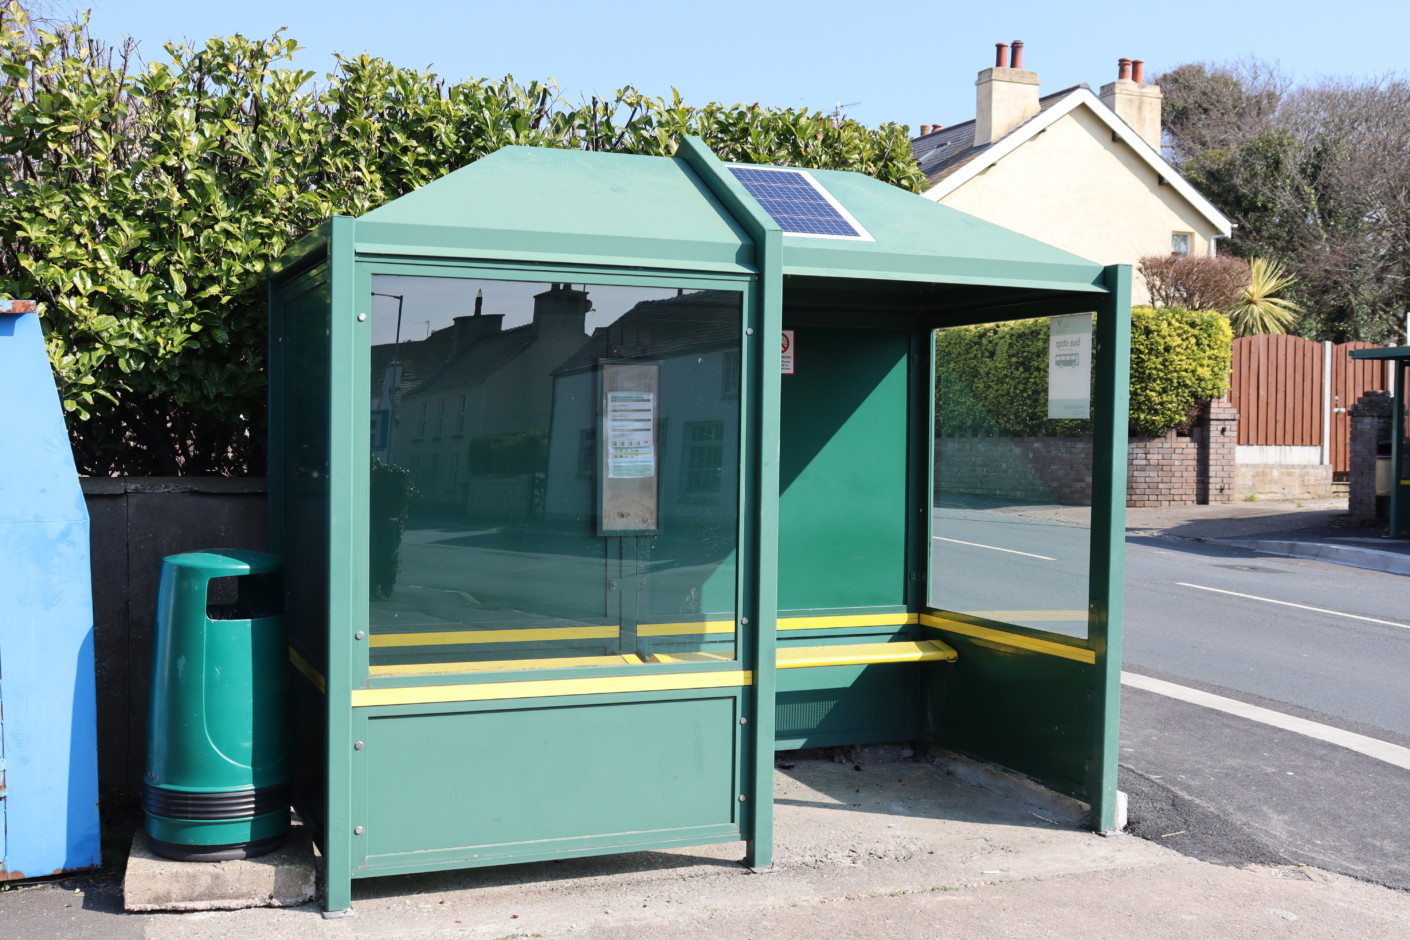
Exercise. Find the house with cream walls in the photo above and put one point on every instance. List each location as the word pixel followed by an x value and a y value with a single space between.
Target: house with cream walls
pixel 1078 170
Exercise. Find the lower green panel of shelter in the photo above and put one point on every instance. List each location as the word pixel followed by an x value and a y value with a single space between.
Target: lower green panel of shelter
pixel 1026 710
pixel 497 782
pixel 852 692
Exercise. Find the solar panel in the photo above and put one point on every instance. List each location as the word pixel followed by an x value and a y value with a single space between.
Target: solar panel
pixel 798 203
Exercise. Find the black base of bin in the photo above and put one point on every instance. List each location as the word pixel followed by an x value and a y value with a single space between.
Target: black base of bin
pixel 215 853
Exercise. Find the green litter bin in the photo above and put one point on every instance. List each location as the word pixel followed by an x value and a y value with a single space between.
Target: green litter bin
pixel 217 781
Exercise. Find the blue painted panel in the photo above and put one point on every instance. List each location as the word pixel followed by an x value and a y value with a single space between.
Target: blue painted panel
pixel 48 738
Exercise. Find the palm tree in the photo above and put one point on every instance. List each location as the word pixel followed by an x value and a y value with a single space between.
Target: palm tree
pixel 1259 308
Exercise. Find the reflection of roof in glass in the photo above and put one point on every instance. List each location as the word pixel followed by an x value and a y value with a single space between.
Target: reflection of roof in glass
pixel 478 361
pixel 418 358
pixel 669 326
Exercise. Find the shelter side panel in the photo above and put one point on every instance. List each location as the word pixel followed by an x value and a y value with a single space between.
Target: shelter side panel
pixel 533 781
pixel 842 476
pixel 1028 711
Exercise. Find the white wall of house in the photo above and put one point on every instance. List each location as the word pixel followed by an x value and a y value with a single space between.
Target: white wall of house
pixel 1073 187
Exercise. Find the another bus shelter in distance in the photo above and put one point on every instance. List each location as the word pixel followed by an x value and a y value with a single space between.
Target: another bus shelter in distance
pixel 1398 358
pixel 572 547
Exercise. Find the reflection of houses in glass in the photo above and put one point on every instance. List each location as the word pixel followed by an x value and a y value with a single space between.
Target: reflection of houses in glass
pixel 473 400
pixel 694 337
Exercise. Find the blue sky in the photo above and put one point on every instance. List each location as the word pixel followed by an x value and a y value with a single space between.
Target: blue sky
pixel 901 61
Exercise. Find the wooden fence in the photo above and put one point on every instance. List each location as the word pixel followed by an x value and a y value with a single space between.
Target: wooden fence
pixel 1295 392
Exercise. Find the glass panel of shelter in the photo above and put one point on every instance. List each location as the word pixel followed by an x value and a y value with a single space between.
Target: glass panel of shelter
pixel 1011 508
pixel 555 474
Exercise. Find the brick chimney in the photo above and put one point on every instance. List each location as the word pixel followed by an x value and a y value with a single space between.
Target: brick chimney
pixel 1005 95
pixel 1135 102
pixel 469 329
pixel 561 307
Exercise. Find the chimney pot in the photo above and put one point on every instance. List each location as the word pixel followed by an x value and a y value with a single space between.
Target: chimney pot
pixel 1001 55
pixel 1136 103
pixel 1123 69
pixel 1005 97
pixel 924 130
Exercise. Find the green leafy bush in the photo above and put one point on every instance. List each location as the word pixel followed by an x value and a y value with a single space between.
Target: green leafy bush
pixel 1179 360
pixel 993 379
pixel 144 204
pixel 392 496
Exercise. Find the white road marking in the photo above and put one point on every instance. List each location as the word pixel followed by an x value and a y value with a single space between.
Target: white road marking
pixel 1371 747
pixel 1320 610
pixel 993 548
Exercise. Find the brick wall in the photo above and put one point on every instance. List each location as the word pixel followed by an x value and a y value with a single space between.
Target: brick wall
pixel 1174 470
pixel 1370 425
pixel 1027 469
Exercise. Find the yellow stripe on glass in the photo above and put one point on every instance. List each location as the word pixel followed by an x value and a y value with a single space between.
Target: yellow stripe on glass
pixel 846 620
pixel 503 665
pixel 525 635
pixel 685 629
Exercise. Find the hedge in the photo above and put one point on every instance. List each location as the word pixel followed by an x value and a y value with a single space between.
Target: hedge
pixel 993 379
pixel 143 204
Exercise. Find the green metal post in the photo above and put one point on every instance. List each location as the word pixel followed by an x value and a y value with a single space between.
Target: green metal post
pixel 1108 549
pixel 346 577
pixel 768 247
pixel 761 843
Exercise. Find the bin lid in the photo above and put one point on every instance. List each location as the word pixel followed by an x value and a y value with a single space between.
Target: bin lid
pixel 226 562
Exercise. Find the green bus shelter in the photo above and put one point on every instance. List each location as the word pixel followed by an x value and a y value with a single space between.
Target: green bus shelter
pixel 599 477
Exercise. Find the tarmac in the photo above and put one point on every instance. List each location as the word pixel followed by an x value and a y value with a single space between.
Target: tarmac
pixel 869 843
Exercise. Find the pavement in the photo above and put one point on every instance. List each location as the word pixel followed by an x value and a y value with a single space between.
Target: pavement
pixel 1311 528
pixel 868 844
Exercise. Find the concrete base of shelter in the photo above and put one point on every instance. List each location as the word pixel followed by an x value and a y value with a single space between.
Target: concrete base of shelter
pixel 284 878
pixel 1047 804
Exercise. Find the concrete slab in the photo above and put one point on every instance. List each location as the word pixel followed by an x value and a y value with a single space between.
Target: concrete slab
pixel 284 878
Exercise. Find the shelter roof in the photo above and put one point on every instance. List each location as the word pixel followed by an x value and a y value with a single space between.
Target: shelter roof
pixel 577 207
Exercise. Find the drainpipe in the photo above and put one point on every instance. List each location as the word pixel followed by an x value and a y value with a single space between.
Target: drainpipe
pixel 1214 244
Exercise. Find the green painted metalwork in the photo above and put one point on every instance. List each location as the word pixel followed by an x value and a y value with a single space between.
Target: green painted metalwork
pixel 346 589
pixel 863 704
pixel 924 242
pixel 390 759
pixel 844 469
pixel 535 205
pixel 760 593
pixel 1107 569
pixel 1023 710
pixel 621 774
